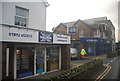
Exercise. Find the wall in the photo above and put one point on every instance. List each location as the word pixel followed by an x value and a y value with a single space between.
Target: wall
pixel 0 42
pixel 88 32
pixel 65 57
pixel 61 29
pixel 37 13
pixel 119 21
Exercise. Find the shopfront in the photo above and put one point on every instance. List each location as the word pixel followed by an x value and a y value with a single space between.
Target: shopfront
pixel 27 52
pixel 36 59
pixel 96 46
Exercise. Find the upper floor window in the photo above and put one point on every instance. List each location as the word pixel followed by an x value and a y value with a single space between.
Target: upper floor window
pixel 97 33
pixel 21 17
pixel 81 33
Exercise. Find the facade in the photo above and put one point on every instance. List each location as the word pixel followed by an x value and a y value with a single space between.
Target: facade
pixel 27 49
pixel 119 21
pixel 23 14
pixel 103 28
pixel 96 35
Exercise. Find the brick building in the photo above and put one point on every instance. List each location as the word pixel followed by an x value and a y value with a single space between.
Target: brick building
pixel 96 35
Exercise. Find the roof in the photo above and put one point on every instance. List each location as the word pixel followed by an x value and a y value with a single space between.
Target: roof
pixel 91 23
pixel 93 20
pixel 70 23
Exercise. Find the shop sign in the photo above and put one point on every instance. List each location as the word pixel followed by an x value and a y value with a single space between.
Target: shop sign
pixel 46 37
pixel 19 35
pixel 62 39
pixel 73 29
pixel 91 40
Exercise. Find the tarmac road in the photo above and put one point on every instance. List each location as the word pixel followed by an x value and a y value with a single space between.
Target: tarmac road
pixel 114 73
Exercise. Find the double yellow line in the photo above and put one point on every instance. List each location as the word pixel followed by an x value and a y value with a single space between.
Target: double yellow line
pixel 99 78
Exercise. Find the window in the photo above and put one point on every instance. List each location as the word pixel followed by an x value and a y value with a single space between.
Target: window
pixel 21 17
pixel 97 33
pixel 81 33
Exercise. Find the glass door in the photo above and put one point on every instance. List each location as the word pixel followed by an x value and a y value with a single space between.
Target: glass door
pixel 40 52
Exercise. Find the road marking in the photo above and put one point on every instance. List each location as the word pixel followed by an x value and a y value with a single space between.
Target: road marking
pixel 108 64
pixel 104 73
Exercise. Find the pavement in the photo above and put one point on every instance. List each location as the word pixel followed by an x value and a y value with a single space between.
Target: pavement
pixel 78 62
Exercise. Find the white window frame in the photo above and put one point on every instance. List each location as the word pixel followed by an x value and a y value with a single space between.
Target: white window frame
pixel 22 17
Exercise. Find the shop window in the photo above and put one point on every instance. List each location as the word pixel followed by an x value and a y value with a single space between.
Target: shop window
pixel 52 58
pixel 24 61
pixel 21 17
pixel 40 59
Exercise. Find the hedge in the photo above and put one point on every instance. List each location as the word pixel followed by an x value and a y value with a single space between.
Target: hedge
pixel 79 72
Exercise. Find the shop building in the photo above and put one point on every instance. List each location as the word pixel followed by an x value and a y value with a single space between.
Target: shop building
pixel 27 49
pixel 96 35
pixel 27 52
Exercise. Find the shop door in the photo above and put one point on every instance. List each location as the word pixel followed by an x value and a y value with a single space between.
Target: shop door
pixel 24 61
pixel 52 58
pixel 40 52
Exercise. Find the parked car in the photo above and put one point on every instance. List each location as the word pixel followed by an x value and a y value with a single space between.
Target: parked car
pixel 74 53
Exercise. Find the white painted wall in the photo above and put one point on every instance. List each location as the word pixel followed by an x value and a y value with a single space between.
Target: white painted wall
pixel 0 12
pixel 37 13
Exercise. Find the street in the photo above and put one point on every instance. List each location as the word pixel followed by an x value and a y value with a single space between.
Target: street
pixel 113 74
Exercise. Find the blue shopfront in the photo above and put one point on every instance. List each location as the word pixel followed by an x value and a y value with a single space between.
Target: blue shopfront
pixel 96 46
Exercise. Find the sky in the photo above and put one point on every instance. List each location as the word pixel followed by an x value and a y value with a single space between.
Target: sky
pixel 61 11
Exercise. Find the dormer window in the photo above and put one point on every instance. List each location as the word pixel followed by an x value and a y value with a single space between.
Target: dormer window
pixel 21 17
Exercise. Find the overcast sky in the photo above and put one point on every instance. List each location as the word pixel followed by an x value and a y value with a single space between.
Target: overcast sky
pixel 72 10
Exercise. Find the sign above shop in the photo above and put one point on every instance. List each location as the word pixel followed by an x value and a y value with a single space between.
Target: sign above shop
pixel 73 29
pixel 13 34
pixel 19 35
pixel 63 39
pixel 46 37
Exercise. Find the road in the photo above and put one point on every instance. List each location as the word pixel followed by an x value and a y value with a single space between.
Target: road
pixel 112 75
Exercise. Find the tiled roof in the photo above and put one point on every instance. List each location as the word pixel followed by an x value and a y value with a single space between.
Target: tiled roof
pixel 93 20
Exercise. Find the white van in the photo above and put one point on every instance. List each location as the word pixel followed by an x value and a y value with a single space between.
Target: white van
pixel 74 53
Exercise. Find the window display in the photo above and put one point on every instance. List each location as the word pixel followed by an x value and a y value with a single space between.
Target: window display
pixel 24 61
pixel 40 59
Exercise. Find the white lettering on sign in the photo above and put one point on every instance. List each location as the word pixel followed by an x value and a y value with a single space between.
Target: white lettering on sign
pixel 62 39
pixel 91 40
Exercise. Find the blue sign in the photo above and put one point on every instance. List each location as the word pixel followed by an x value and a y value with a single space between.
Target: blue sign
pixel 73 29
pixel 45 37
pixel 89 40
